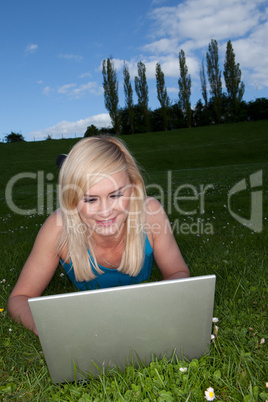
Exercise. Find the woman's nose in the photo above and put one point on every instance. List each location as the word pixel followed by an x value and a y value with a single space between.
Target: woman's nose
pixel 105 208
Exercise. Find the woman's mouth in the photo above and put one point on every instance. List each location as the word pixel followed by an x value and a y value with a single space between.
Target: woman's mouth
pixel 106 222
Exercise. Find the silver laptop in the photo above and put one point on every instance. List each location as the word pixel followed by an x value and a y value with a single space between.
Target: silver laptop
pixel 88 332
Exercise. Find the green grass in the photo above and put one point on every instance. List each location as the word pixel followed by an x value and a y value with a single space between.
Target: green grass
pixel 219 156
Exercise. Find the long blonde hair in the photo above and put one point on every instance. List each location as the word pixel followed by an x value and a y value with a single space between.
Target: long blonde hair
pixel 89 161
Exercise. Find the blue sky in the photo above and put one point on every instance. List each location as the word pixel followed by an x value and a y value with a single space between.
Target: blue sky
pixel 51 55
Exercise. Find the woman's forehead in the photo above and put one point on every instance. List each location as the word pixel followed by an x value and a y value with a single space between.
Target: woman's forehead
pixel 109 183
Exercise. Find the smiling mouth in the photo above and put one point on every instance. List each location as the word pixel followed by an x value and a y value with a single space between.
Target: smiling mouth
pixel 107 222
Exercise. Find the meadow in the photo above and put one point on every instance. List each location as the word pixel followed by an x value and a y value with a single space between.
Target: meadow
pixel 192 172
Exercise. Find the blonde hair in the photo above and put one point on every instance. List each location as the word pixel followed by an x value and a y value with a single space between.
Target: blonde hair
pixel 90 161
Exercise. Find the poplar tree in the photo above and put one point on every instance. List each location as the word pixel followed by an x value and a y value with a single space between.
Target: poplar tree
pixel 232 76
pixel 110 86
pixel 204 83
pixel 162 95
pixel 142 91
pixel 214 77
pixel 129 96
pixel 185 88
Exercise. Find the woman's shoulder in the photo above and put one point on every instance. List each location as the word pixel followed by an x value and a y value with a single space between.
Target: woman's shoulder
pixel 52 226
pixel 55 220
pixel 154 210
pixel 156 219
pixel 49 236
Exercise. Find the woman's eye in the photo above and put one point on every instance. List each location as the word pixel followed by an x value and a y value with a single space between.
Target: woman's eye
pixel 117 195
pixel 90 200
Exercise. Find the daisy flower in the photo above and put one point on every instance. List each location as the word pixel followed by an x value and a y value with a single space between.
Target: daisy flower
pixel 209 394
pixel 215 320
pixel 183 369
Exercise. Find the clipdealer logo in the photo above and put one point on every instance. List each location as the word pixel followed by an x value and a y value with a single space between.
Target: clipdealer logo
pixel 47 196
pixel 255 222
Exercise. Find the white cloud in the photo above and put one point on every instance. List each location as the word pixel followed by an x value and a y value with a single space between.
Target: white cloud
pixel 169 65
pixel 66 89
pixel 90 87
pixel 252 54
pixel 32 48
pixel 132 66
pixel 77 91
pixel 47 90
pixel 84 75
pixel 71 57
pixel 200 20
pixel 68 129
pixel 154 2
pixel 191 24
pixel 172 90
pixel 118 65
pixel 164 46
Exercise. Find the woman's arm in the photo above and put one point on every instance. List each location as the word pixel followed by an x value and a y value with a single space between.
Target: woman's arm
pixel 167 254
pixel 37 272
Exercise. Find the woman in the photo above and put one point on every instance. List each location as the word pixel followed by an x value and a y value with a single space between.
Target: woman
pixel 106 231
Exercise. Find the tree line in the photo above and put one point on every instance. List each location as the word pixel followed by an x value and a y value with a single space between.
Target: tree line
pixel 215 107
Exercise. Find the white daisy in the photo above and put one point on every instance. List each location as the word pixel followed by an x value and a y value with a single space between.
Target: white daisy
pixel 209 394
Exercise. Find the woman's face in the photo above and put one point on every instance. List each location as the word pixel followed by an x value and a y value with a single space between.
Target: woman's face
pixel 104 207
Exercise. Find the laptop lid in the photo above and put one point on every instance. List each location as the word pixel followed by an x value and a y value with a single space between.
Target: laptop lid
pixel 97 329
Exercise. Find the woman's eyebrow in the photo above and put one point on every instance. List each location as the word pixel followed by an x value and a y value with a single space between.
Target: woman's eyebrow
pixel 118 189
pixel 112 192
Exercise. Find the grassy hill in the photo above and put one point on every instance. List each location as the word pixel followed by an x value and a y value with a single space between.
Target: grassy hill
pixel 179 149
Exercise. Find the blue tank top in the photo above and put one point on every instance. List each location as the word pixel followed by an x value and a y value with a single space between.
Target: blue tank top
pixel 112 277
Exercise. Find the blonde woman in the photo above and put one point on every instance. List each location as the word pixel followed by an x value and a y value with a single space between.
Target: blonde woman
pixel 106 232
